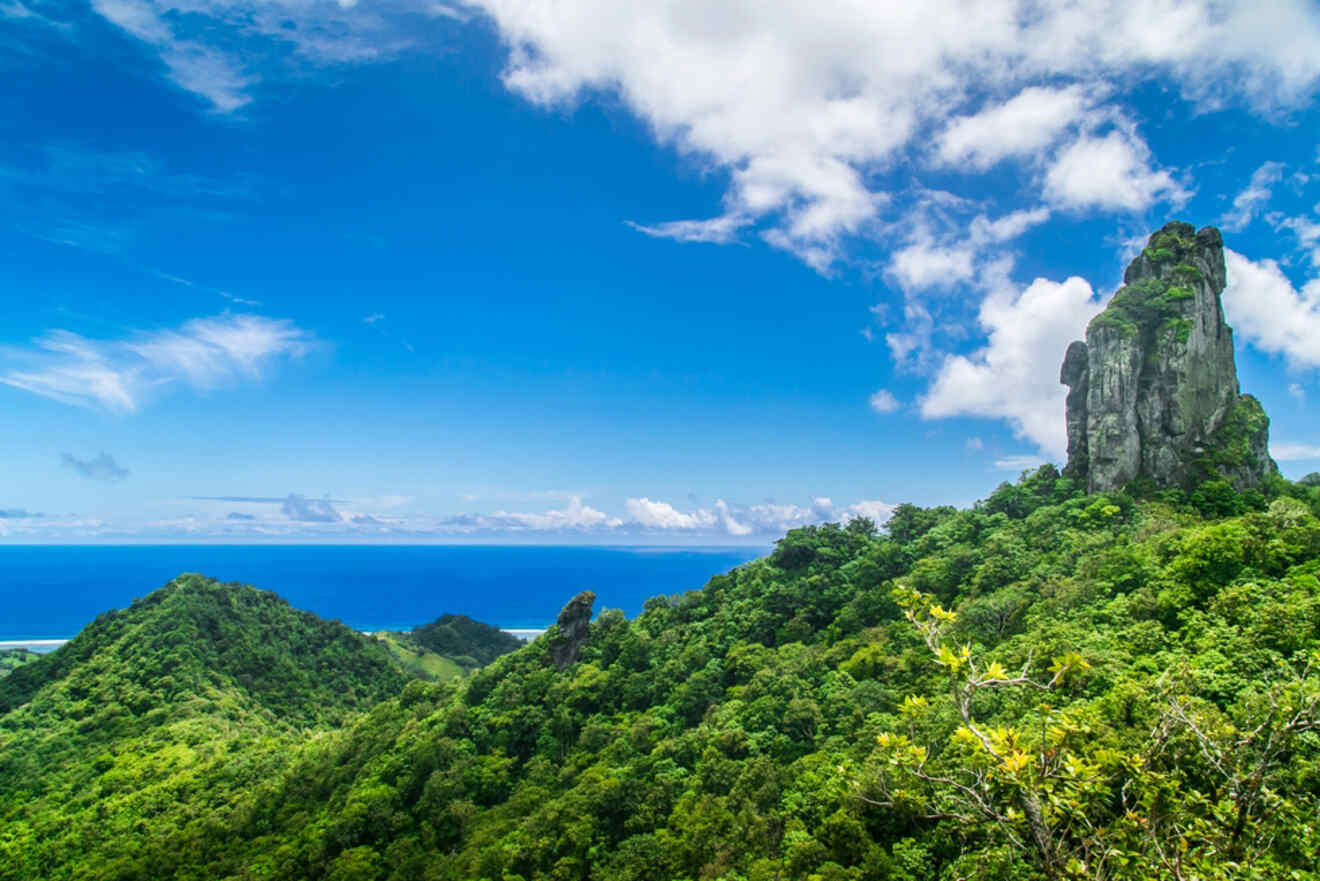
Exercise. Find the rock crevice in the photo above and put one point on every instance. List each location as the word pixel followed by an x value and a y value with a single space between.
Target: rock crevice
pixel 1153 392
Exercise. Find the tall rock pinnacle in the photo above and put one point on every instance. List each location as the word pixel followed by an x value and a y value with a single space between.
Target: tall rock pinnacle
pixel 1153 392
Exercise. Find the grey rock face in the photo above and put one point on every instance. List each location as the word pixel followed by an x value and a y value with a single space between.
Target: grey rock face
pixel 1075 374
pixel 574 624
pixel 1153 392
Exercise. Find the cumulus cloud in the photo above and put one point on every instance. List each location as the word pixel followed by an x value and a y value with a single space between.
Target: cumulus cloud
pixel 1015 376
pixel 806 107
pixel 1248 203
pixel 573 517
pixel 103 467
pixel 1266 310
pixel 805 104
pixel 120 375
pixel 1032 120
pixel 1110 173
pixel 662 515
pixel 768 519
pixel 945 249
pixel 883 401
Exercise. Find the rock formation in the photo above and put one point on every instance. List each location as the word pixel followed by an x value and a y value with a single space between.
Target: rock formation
pixel 1153 392
pixel 574 623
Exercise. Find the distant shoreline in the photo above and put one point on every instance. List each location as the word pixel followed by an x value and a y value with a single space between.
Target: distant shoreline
pixel 526 634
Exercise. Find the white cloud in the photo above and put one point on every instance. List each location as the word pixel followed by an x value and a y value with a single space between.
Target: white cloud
pixel 1016 375
pixel 218 48
pixel 1111 173
pixel 717 230
pixel 573 516
pixel 1296 392
pixel 944 251
pixel 1266 310
pixel 193 65
pixel 1295 452
pixel 1307 232
pixel 120 375
pixel 807 107
pixel 1019 463
pixel 924 264
pixel 1257 193
pixel 805 103
pixel 873 509
pixel 974 445
pixel 662 515
pixel 882 402
pixel 767 519
pixel 1023 126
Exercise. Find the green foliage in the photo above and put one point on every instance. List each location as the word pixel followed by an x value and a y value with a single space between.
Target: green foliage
pixel 455 636
pixel 1123 686
pixel 1232 444
pixel 12 659
pixel 424 663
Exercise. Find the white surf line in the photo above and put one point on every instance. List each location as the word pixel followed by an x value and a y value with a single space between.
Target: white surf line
pixel 32 643
pixel 526 634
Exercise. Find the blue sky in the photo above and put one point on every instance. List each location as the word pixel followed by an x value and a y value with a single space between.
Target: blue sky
pixel 668 272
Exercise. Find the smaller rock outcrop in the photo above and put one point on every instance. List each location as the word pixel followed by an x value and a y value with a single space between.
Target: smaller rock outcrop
pixel 574 625
pixel 1153 392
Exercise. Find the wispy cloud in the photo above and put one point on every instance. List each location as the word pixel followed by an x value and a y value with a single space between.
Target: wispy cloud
pixel 717 230
pixel 220 49
pixel 305 510
pixel 1291 452
pixel 1019 463
pixel 1248 203
pixel 103 467
pixel 121 375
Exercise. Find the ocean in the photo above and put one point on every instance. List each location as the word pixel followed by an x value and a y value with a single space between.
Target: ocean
pixel 50 593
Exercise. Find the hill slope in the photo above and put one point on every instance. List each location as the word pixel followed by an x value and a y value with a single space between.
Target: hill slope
pixel 198 680
pixel 470 643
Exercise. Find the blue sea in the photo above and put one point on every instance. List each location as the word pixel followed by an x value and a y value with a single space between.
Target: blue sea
pixel 52 592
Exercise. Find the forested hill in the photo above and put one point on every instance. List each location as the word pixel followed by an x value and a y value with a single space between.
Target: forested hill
pixel 139 726
pixel 1048 685
pixel 195 635
pixel 470 643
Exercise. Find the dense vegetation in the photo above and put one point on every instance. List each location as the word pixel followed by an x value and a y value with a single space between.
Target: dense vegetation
pixel 470 643
pixel 155 720
pixel 418 661
pixel 1048 685
pixel 12 659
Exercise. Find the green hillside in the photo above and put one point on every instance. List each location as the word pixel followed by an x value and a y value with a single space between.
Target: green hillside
pixel 157 717
pixel 470 643
pixel 12 659
pixel 1048 685
pixel 420 662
